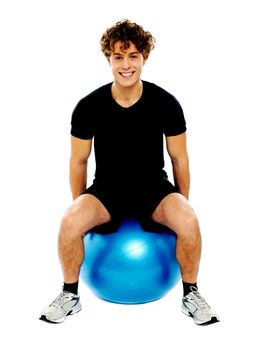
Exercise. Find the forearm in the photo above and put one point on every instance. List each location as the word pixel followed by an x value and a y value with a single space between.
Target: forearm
pixel 181 174
pixel 78 178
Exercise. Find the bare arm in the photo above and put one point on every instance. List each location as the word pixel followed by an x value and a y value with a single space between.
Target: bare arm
pixel 177 150
pixel 80 152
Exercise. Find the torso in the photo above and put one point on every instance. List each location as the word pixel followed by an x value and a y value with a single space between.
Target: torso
pixel 128 141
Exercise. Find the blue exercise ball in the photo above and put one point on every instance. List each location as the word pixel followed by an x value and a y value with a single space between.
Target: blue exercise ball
pixel 130 266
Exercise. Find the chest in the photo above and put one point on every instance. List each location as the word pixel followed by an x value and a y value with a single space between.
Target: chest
pixel 134 124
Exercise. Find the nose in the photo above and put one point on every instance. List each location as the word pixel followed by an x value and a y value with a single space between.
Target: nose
pixel 125 63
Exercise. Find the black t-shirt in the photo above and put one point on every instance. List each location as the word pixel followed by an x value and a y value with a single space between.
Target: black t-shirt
pixel 128 142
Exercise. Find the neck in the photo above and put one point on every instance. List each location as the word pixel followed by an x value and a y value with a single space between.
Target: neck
pixel 127 96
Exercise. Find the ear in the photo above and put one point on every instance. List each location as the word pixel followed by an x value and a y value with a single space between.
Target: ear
pixel 145 58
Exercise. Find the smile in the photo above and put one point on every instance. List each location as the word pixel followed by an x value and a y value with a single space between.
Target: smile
pixel 126 75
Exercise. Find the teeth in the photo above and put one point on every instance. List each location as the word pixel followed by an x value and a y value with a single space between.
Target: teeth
pixel 126 74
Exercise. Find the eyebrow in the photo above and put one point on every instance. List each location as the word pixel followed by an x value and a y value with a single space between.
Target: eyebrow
pixel 121 54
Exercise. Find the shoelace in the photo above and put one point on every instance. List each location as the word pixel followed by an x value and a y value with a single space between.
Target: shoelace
pixel 197 299
pixel 60 300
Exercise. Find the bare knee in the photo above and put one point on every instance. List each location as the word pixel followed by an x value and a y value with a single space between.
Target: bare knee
pixel 84 214
pixel 75 222
pixel 188 218
pixel 190 226
pixel 70 226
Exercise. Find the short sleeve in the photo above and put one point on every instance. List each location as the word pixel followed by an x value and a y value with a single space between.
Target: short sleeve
pixel 82 121
pixel 174 120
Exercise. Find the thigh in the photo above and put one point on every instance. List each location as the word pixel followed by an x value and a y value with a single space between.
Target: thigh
pixel 149 200
pixel 113 201
pixel 86 212
pixel 175 212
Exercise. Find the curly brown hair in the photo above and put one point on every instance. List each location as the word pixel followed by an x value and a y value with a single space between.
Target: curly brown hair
pixel 127 32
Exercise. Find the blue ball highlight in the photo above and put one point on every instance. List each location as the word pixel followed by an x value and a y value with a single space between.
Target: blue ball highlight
pixel 130 266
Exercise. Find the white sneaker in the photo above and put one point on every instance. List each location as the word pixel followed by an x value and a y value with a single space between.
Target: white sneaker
pixel 194 305
pixel 65 304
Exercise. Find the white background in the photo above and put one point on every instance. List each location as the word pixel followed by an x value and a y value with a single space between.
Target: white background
pixel 206 55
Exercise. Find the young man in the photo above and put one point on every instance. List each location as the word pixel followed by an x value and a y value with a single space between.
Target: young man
pixel 127 120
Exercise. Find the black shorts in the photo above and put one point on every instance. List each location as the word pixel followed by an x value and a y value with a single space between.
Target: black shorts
pixel 138 200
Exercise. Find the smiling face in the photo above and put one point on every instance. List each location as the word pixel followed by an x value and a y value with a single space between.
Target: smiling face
pixel 126 64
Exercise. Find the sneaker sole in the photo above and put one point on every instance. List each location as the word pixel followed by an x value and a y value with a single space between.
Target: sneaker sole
pixel 76 309
pixel 211 321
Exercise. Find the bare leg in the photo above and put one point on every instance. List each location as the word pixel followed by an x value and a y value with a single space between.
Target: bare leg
pixel 85 213
pixel 175 212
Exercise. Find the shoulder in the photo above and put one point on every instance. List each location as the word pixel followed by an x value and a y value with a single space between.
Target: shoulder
pixel 96 96
pixel 87 112
pixel 158 92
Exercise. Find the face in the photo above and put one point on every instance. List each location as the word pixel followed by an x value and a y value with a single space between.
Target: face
pixel 126 65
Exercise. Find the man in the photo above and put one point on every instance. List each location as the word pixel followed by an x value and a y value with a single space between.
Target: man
pixel 127 120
